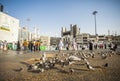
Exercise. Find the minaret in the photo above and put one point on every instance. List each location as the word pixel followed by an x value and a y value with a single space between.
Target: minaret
pixel 108 32
pixel 63 30
pixel 35 32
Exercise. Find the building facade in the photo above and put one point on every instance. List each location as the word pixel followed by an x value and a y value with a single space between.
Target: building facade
pixel 24 34
pixel 54 40
pixel 45 40
pixel 9 27
pixel 69 35
pixel 83 38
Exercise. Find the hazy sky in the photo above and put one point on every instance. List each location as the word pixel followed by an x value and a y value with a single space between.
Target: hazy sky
pixel 50 15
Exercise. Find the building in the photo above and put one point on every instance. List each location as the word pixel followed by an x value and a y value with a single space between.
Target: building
pixel 45 40
pixel 93 38
pixel 68 35
pixel 35 34
pixel 83 38
pixel 116 39
pixel 54 40
pixel 24 34
pixel 9 27
pixel 102 38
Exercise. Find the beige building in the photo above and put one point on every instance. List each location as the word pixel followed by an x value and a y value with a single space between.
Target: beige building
pixel 45 40
pixel 93 38
pixel 9 27
pixel 83 38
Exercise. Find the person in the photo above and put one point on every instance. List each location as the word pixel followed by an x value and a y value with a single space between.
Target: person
pixel 30 46
pixel 95 46
pixel 13 45
pixel 38 45
pixel 60 45
pixel 90 46
pixel 34 45
pixel 25 44
pixel 74 45
pixel 114 47
pixel 18 46
pixel 1 45
pixel 67 46
pixel 5 46
pixel 105 45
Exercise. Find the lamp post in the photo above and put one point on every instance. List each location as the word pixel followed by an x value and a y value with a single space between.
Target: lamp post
pixel 94 13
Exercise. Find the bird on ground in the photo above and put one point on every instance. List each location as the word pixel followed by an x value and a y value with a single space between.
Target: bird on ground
pixel 71 70
pixel 104 56
pixel 74 58
pixel 105 65
pixel 90 67
pixel 86 61
pixel 18 69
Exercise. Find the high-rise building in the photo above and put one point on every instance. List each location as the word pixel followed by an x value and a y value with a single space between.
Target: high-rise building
pixel 9 27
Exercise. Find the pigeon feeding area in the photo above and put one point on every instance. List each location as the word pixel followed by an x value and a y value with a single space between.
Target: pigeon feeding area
pixel 83 65
pixel 52 61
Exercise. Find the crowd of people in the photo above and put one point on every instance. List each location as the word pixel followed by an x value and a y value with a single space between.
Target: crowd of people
pixel 74 46
pixel 35 46
pixel 18 46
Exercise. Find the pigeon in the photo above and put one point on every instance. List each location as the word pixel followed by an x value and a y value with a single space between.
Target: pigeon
pixel 41 70
pixel 90 67
pixel 86 61
pixel 43 57
pixel 29 68
pixel 71 70
pixel 105 65
pixel 104 56
pixel 93 56
pixel 18 69
pixel 74 58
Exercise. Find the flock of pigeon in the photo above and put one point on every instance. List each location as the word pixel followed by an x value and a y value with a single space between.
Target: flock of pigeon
pixel 66 59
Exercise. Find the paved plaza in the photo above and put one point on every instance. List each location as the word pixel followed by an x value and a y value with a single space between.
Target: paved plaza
pixel 11 60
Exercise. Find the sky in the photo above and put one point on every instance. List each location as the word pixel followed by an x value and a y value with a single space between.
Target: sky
pixel 50 15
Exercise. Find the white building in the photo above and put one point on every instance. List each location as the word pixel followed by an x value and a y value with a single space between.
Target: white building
pixel 9 27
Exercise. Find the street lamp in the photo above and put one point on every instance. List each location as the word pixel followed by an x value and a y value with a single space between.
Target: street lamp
pixel 94 13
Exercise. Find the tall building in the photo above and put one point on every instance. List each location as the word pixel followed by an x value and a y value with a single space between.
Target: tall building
pixel 35 34
pixel 24 34
pixel 9 27
pixel 68 35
